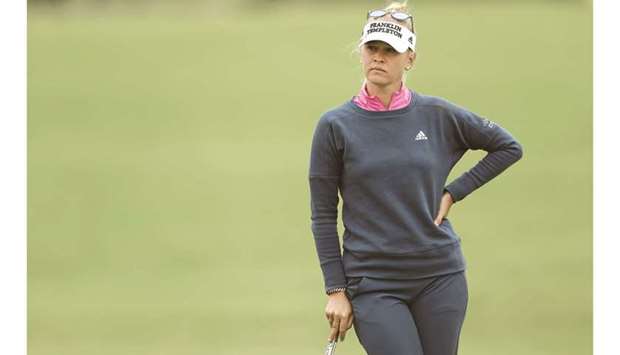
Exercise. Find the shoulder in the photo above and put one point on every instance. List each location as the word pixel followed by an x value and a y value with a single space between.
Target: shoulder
pixel 334 114
pixel 438 103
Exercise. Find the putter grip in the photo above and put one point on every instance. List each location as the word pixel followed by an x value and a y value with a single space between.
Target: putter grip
pixel 331 348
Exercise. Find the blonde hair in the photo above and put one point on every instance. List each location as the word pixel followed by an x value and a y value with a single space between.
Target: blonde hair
pixel 401 6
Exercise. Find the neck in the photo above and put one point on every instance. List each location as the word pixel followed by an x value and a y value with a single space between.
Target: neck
pixel 383 92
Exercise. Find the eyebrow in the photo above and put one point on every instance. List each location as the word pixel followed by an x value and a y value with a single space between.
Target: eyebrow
pixel 379 44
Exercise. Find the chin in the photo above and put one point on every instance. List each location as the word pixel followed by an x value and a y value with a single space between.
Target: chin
pixel 378 80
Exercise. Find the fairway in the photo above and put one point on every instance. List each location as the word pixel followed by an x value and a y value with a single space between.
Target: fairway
pixel 168 199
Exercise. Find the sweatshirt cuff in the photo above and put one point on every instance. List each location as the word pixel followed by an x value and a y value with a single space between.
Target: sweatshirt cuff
pixel 457 190
pixel 445 189
pixel 334 275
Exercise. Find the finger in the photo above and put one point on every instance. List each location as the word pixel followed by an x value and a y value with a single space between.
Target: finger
pixel 330 318
pixel 342 331
pixel 333 334
pixel 350 322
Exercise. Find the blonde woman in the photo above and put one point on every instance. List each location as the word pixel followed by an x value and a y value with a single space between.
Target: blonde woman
pixel 400 281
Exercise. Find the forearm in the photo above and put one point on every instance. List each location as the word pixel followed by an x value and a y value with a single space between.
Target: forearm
pixel 486 169
pixel 324 208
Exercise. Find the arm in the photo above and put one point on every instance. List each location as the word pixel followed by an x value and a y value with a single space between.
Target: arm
pixel 474 132
pixel 324 179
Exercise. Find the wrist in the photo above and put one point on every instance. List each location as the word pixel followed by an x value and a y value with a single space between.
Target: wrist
pixel 335 291
pixel 447 192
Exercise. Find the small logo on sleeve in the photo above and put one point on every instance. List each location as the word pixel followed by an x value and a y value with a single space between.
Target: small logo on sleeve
pixel 488 123
pixel 420 136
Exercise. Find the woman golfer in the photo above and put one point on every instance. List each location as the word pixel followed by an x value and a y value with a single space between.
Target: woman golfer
pixel 400 281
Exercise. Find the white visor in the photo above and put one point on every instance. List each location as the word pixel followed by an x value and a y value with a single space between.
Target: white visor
pixel 394 34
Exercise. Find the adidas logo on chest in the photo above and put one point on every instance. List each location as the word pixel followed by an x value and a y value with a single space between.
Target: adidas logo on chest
pixel 421 136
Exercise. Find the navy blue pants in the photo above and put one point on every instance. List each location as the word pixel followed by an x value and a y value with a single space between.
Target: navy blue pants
pixel 409 317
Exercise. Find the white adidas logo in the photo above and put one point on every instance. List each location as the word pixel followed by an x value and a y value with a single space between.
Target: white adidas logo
pixel 420 136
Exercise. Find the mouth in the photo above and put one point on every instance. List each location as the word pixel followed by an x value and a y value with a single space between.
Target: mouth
pixel 378 69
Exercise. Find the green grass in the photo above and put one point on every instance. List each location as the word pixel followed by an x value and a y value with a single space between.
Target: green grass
pixel 168 200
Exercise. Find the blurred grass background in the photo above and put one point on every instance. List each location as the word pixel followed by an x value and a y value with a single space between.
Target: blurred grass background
pixel 168 147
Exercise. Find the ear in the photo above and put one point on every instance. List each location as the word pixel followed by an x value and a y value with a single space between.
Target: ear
pixel 412 57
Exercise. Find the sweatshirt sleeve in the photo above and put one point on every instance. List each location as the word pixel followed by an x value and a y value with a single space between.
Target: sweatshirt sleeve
pixel 475 132
pixel 324 179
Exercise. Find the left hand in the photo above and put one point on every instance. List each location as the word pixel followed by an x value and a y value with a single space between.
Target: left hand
pixel 444 207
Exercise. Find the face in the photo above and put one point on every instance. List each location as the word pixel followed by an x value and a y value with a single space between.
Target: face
pixel 382 64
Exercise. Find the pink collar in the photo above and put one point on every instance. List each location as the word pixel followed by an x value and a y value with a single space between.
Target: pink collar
pixel 400 98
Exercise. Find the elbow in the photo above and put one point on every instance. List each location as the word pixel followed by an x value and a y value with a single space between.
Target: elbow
pixel 517 150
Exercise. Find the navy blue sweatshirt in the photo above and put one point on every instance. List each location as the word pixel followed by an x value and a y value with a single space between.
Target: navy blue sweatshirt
pixel 390 168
